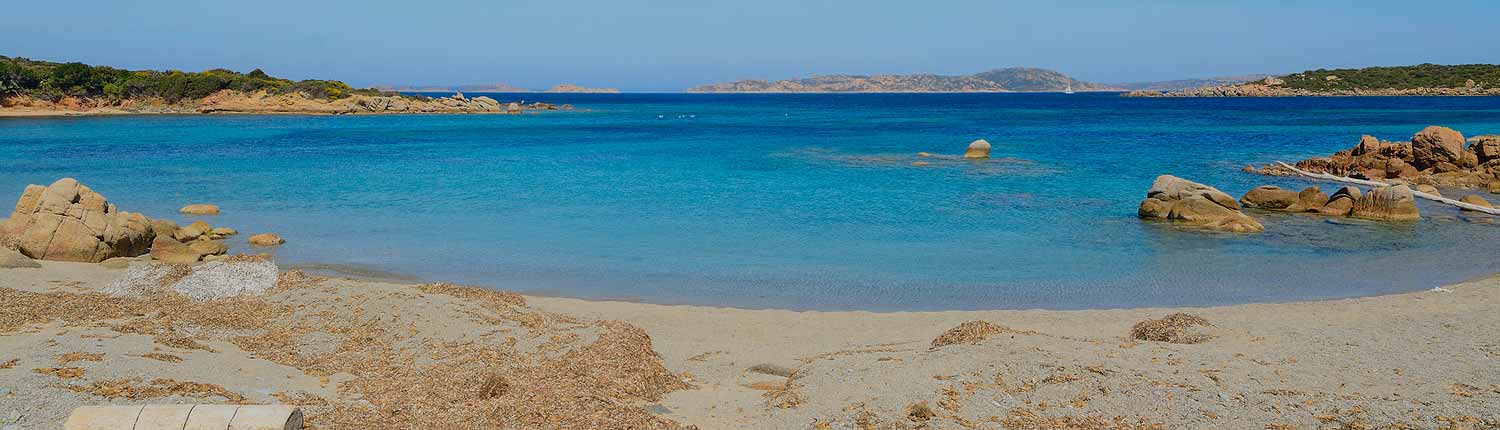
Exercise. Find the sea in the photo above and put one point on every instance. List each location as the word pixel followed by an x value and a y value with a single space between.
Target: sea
pixel 790 201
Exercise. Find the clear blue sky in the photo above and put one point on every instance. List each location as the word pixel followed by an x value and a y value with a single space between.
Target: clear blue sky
pixel 669 45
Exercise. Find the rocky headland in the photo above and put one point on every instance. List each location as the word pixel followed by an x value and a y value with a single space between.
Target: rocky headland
pixel 1419 80
pixel 40 88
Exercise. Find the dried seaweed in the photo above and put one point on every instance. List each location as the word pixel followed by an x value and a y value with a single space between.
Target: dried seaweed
pixel 969 332
pixel 1174 328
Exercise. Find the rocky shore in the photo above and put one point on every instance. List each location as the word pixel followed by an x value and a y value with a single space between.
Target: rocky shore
pixel 1437 156
pixel 1275 87
pixel 262 102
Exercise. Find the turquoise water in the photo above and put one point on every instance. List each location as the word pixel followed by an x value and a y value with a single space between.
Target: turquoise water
pixel 788 201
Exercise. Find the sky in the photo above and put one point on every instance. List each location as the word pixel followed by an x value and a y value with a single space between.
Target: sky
pixel 670 45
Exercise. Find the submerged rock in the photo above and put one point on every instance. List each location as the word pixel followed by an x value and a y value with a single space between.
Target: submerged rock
pixel 67 221
pixel 978 149
pixel 1180 200
pixel 199 210
pixel 266 239
pixel 1475 200
pixel 1395 203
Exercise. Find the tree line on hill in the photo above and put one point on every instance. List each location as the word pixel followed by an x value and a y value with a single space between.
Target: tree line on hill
pixel 52 81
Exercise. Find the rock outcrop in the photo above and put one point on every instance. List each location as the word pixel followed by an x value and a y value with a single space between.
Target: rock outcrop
pixel 1434 156
pixel 67 221
pixel 1394 203
pixel 978 149
pixel 1190 203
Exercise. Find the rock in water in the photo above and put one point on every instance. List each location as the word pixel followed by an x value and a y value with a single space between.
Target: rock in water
pixel 266 239
pixel 1184 201
pixel 1395 203
pixel 978 149
pixel 192 231
pixel 1269 197
pixel 1341 202
pixel 1476 201
pixel 199 210
pixel 1435 145
pixel 67 221
pixel 1429 190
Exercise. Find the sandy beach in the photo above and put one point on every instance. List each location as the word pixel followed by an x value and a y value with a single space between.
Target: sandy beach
pixel 358 353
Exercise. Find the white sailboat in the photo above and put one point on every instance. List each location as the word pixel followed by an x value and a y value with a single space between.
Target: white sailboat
pixel 1069 90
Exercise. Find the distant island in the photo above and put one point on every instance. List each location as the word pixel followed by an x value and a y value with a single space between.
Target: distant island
pixel 494 88
pixel 1418 80
pixel 1013 79
pixel 40 88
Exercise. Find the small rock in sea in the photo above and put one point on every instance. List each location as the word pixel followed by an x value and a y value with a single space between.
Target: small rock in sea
pixel 1475 200
pixel 1429 190
pixel 192 231
pixel 199 210
pixel 223 231
pixel 920 163
pixel 924 154
pixel 266 239
pixel 978 149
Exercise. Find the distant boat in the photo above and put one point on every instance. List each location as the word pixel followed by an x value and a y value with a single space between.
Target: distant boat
pixel 1069 90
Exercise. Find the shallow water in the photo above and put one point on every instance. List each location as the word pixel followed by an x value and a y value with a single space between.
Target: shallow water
pixel 790 201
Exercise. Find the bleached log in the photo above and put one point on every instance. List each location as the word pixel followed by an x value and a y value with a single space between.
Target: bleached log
pixel 190 417
pixel 1369 183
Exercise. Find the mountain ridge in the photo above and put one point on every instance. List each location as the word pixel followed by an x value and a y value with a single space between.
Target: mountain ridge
pixel 1009 79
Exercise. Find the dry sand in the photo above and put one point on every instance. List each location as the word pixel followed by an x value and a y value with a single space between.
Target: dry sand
pixel 360 353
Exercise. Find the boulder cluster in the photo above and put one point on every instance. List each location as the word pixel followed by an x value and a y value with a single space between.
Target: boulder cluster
pixel 1393 203
pixel 1433 156
pixel 1191 203
pixel 68 221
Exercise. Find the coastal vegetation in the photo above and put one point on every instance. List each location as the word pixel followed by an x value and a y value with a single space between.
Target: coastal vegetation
pixel 1418 80
pixel 52 81
pixel 1399 77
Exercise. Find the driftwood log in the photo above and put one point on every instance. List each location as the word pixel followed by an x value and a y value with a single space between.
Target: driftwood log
pixel 190 417
pixel 1369 183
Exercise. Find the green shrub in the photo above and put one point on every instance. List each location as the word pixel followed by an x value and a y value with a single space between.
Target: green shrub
pixel 51 81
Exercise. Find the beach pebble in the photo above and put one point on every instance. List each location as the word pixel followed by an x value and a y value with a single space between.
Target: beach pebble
pixel 199 209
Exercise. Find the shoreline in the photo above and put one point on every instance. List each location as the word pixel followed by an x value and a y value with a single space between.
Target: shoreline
pixel 1305 363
